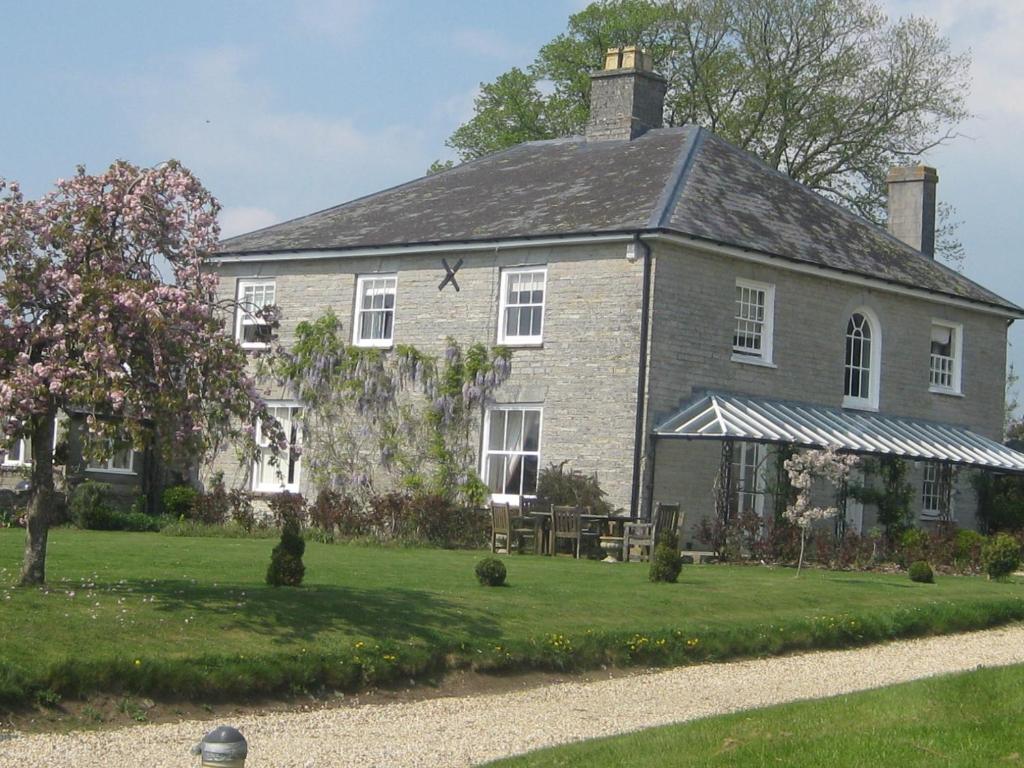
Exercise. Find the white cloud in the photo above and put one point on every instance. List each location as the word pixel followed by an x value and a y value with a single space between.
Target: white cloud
pixel 256 156
pixel 238 220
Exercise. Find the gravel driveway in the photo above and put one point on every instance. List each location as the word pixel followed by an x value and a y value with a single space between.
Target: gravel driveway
pixel 463 731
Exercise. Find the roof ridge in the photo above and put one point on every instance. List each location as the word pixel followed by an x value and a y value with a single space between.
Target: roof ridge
pixel 676 180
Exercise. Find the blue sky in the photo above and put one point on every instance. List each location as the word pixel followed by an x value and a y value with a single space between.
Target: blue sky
pixel 287 107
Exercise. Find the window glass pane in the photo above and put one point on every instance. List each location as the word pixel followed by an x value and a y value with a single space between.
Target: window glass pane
pixel 496 473
pixel 514 431
pixel 513 476
pixel 531 430
pixel 530 474
pixel 496 435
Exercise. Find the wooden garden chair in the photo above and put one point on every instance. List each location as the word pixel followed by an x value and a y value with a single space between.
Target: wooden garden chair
pixel 567 525
pixel 644 536
pixel 511 528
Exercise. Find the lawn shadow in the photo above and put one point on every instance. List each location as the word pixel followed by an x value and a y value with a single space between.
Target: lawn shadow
pixel 290 614
pixel 872 584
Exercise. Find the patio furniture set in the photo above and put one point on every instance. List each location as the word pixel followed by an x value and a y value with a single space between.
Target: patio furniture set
pixel 541 529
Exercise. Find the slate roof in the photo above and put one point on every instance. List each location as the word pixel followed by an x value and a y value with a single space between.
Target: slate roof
pixel 679 180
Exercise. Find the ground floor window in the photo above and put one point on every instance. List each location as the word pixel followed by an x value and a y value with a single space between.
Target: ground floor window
pixel 748 472
pixel 511 451
pixel 281 473
pixel 19 454
pixel 936 499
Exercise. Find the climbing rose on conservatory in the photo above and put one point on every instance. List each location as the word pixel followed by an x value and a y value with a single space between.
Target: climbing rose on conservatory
pixel 105 308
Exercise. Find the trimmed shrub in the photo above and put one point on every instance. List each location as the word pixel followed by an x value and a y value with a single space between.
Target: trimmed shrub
pixel 212 507
pixel 1000 556
pixel 913 546
pixel 666 563
pixel 178 500
pixel 921 572
pixel 286 568
pixel 490 572
pixel 90 506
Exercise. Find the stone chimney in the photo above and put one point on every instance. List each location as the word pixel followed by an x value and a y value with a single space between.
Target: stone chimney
pixel 626 97
pixel 912 206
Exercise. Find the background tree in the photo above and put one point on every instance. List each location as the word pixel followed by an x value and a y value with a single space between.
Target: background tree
pixel 87 323
pixel 829 92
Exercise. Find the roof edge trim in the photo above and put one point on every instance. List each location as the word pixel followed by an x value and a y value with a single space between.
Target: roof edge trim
pixel 398 250
pixel 854 278
pixel 677 180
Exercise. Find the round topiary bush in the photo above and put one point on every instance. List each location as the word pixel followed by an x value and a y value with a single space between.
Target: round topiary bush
pixel 666 562
pixel 921 572
pixel 491 572
pixel 1000 556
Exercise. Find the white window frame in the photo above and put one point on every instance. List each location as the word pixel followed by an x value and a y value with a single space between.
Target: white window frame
pixel 743 452
pixel 357 324
pixel 244 316
pixel 955 373
pixel 503 307
pixel 869 403
pixel 24 457
pixel 486 452
pixel 763 356
pixel 932 491
pixel 280 487
pixel 108 465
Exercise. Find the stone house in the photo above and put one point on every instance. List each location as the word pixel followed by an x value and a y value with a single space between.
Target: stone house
pixel 677 311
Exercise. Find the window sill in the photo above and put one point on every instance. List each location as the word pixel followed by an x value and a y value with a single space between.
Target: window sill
pixel 521 343
pixel 944 391
pixel 736 358
pixel 859 405
pixel 254 347
pixel 389 344
pixel 105 471
pixel 269 493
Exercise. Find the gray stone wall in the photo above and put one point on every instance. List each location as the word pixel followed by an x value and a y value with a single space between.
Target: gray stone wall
pixel 691 351
pixel 584 375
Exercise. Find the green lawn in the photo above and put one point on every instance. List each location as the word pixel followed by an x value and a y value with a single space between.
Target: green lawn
pixel 971 719
pixel 119 605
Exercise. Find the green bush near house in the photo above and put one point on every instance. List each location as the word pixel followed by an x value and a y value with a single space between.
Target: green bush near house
pixel 490 572
pixel 178 501
pixel 921 572
pixel 1001 556
pixel 666 563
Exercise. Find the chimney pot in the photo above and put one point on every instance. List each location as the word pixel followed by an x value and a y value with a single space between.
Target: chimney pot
pixel 911 192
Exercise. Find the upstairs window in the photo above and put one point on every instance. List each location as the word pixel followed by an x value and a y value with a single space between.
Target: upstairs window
pixel 521 314
pixel 273 474
pixel 512 452
pixel 863 356
pixel 252 331
pixel 945 358
pixel 752 334
pixel 375 311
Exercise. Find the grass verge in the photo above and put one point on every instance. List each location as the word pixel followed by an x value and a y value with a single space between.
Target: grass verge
pixel 176 617
pixel 969 719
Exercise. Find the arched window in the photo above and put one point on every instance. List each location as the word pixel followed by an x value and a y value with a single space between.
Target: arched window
pixel 863 344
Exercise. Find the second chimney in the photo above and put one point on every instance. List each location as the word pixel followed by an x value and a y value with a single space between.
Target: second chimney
pixel 912 206
pixel 626 97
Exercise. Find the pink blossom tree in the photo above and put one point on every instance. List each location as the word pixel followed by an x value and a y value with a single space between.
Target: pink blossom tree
pixel 803 468
pixel 88 323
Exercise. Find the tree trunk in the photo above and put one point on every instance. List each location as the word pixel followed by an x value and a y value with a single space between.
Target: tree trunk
pixel 40 501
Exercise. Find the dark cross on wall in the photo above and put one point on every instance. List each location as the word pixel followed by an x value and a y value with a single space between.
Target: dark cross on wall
pixel 450 275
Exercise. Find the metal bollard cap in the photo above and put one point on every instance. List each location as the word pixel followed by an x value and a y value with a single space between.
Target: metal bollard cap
pixel 222 745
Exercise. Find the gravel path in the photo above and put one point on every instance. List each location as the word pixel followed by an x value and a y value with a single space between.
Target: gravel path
pixel 464 731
